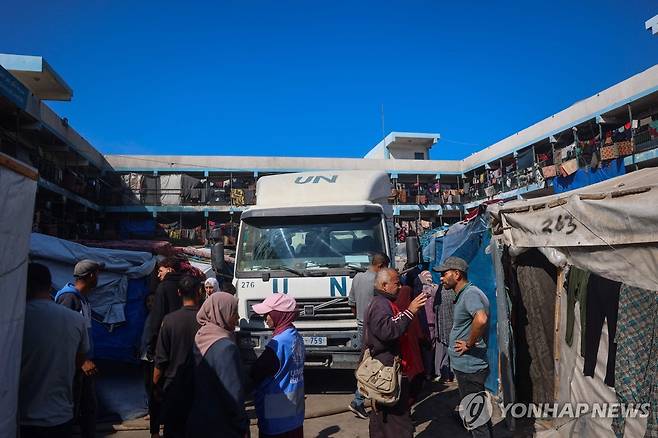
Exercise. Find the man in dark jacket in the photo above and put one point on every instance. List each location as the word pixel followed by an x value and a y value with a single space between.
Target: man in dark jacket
pixel 173 358
pixel 384 327
pixel 74 296
pixel 167 300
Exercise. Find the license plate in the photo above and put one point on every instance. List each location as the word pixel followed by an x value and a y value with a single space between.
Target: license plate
pixel 320 341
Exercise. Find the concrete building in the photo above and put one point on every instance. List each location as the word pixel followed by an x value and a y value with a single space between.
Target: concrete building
pixel 85 194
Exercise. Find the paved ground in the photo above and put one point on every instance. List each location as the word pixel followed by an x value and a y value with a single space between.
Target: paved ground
pixel 329 392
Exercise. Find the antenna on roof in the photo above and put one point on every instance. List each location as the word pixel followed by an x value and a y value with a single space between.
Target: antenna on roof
pixel 382 117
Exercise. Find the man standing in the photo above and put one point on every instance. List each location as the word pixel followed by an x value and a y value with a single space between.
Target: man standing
pixel 167 298
pixel 74 296
pixel 361 293
pixel 55 341
pixel 384 326
pixel 467 344
pixel 166 301
pixel 174 364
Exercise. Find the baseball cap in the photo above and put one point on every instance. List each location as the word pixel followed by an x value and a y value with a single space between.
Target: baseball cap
pixel 86 267
pixel 450 263
pixel 280 302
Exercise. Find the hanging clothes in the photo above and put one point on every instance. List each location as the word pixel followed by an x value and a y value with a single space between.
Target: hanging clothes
pixel 602 303
pixel 189 192
pixel 534 319
pixel 637 354
pixel 170 186
pixel 576 292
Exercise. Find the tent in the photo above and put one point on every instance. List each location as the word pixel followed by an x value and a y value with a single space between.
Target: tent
pixel 118 316
pixel 607 233
pixel 18 186
pixel 117 303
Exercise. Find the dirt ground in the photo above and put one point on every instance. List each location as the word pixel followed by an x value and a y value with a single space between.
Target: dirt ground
pixel 329 393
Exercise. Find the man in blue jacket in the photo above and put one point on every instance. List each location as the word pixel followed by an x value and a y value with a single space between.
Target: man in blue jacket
pixel 74 296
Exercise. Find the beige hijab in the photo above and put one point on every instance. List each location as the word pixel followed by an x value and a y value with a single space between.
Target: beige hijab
pixel 215 317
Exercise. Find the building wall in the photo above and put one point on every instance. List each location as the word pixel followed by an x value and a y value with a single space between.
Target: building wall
pixel 407 153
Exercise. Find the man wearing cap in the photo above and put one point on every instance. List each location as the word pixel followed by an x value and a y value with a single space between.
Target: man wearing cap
pixel 278 374
pixel 467 344
pixel 74 296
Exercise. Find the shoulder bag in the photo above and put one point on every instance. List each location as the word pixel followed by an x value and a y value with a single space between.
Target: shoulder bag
pixel 376 381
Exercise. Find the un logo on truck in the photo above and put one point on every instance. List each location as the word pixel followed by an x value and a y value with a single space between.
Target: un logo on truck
pixel 314 179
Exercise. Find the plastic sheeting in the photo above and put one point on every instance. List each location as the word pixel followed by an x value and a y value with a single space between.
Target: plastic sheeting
pixel 122 342
pixel 470 241
pixel 586 176
pixel 109 298
pixel 17 194
pixel 131 229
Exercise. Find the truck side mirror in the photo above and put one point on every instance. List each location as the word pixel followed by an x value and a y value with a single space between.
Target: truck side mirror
pixel 216 234
pixel 412 247
pixel 217 257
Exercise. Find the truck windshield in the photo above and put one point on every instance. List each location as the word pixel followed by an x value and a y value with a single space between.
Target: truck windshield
pixel 295 244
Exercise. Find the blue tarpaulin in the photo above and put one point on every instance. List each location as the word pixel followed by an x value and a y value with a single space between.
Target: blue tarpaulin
pixel 470 241
pixel 121 342
pixel 131 229
pixel 586 176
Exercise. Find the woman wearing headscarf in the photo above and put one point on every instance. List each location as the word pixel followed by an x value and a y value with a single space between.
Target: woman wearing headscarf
pixel 210 286
pixel 218 407
pixel 278 374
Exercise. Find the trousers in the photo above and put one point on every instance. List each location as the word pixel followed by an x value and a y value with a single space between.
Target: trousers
pixel 393 421
pixel 602 304
pixel 61 431
pixel 472 383
pixel 84 390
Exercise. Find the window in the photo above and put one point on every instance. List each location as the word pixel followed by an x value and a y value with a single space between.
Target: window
pixel 309 242
pixel 419 155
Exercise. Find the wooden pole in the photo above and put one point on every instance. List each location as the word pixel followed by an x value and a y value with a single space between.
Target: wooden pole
pixel 556 332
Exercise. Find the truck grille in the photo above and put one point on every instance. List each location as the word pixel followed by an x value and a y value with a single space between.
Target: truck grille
pixel 314 309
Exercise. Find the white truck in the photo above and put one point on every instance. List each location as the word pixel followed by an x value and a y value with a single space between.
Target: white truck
pixel 308 235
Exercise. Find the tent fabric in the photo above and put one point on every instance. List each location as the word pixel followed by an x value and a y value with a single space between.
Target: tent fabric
pixel 470 241
pixel 122 342
pixel 608 227
pixel 17 194
pixel 143 228
pixel 109 298
pixel 586 176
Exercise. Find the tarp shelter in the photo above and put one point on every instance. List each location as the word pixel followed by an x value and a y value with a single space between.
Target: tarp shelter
pixel 117 304
pixel 608 230
pixel 18 186
pixel 109 297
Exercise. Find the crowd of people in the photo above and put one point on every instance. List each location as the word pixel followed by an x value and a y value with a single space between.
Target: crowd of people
pixel 194 375
pixel 437 331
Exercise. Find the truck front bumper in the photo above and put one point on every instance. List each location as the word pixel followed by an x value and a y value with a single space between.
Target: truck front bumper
pixel 341 352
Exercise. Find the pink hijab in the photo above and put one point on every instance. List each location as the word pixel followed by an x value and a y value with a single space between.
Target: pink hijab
pixel 215 317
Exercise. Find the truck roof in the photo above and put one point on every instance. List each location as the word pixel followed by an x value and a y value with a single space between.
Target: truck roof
pixel 323 188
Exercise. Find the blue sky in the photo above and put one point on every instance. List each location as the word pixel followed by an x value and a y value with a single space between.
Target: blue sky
pixel 308 78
